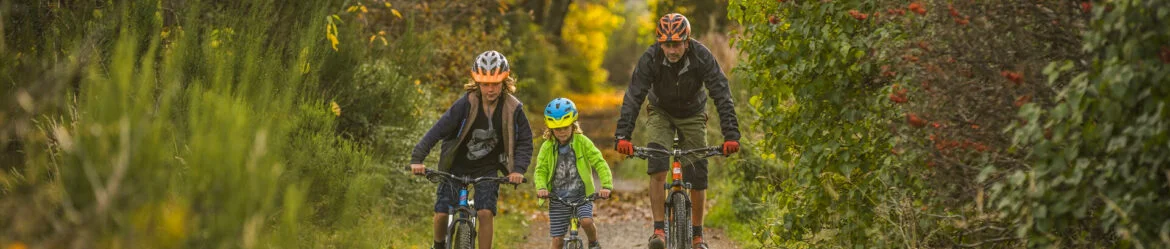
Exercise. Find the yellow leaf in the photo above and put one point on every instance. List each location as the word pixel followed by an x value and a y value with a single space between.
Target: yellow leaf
pixel 395 12
pixel 335 108
pixel 351 9
pixel 372 38
pixel 364 10
pixel 387 5
pixel 416 82
pixel 384 43
pixel 16 245
pixel 333 41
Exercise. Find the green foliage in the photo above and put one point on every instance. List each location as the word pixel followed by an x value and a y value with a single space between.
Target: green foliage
pixel 1077 167
pixel 1099 155
pixel 819 106
pixel 210 134
pixel 374 102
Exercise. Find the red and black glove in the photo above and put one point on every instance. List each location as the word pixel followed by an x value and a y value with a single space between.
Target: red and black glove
pixel 730 147
pixel 625 147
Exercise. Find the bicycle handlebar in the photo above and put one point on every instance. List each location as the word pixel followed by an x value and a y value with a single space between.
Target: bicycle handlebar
pixel 468 180
pixel 587 199
pixel 647 153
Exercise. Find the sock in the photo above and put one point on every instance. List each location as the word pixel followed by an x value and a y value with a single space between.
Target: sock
pixel 697 231
pixel 659 225
pixel 593 243
pixel 440 244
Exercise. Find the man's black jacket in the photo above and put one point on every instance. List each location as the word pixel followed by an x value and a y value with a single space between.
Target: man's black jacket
pixel 676 89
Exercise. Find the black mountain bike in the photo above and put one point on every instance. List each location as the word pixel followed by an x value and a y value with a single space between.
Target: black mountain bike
pixel 678 200
pixel 573 241
pixel 461 222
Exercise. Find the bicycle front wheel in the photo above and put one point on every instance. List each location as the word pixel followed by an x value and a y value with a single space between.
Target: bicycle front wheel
pixel 680 225
pixel 463 237
pixel 575 244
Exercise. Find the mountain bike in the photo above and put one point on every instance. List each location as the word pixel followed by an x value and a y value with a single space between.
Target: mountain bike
pixel 678 201
pixel 461 223
pixel 573 241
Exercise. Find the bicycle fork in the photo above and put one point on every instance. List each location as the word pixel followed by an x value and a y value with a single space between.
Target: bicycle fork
pixel 462 212
pixel 675 186
pixel 573 226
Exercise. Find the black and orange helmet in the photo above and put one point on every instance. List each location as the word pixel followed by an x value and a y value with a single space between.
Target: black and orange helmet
pixel 673 27
pixel 490 66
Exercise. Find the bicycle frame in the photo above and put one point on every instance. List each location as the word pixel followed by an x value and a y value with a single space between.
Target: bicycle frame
pixel 574 218
pixel 463 211
pixel 677 187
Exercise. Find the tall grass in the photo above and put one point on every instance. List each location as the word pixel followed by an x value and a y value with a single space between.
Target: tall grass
pixel 198 124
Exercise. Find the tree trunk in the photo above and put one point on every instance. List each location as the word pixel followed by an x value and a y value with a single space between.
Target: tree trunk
pixel 555 20
pixel 536 9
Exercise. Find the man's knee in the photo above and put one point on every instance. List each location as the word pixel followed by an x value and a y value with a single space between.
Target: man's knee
pixel 586 221
pixel 484 213
pixel 659 177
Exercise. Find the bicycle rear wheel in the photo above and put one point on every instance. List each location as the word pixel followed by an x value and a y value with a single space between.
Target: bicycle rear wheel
pixel 462 236
pixel 680 225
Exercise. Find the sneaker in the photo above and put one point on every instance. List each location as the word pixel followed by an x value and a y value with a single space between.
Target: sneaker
pixel 595 245
pixel 657 241
pixel 697 243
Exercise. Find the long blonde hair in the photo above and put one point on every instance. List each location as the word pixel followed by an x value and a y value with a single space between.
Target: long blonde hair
pixel 548 134
pixel 509 85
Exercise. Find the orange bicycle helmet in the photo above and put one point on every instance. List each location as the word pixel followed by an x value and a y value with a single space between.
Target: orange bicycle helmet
pixel 673 27
pixel 490 66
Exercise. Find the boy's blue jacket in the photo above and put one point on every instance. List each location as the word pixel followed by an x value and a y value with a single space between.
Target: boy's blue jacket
pixel 455 124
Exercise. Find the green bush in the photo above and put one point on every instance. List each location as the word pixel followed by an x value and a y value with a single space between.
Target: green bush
pixel 819 108
pixel 210 134
pixel 1098 157
pixel 944 163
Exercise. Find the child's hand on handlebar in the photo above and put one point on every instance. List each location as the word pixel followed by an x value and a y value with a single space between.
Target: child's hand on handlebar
pixel 604 193
pixel 542 193
pixel 418 169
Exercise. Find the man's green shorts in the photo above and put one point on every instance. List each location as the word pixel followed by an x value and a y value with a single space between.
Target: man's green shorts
pixel 692 134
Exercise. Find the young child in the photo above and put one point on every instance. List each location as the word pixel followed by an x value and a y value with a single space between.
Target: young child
pixel 565 168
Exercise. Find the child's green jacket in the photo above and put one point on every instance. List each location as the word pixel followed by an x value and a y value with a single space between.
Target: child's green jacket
pixel 589 159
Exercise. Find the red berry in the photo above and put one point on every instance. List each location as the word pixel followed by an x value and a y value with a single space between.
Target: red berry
pixel 915 121
pixel 1022 100
pixel 917 8
pixel 1012 76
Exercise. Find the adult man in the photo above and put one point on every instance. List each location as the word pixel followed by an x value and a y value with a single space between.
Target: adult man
pixel 483 132
pixel 673 72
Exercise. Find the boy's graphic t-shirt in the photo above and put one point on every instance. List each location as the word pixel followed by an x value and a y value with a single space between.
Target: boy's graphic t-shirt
pixel 482 152
pixel 566 181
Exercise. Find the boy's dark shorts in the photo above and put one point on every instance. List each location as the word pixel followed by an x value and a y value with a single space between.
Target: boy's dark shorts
pixel 485 195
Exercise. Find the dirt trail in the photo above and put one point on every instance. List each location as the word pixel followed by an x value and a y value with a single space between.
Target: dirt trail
pixel 622 222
